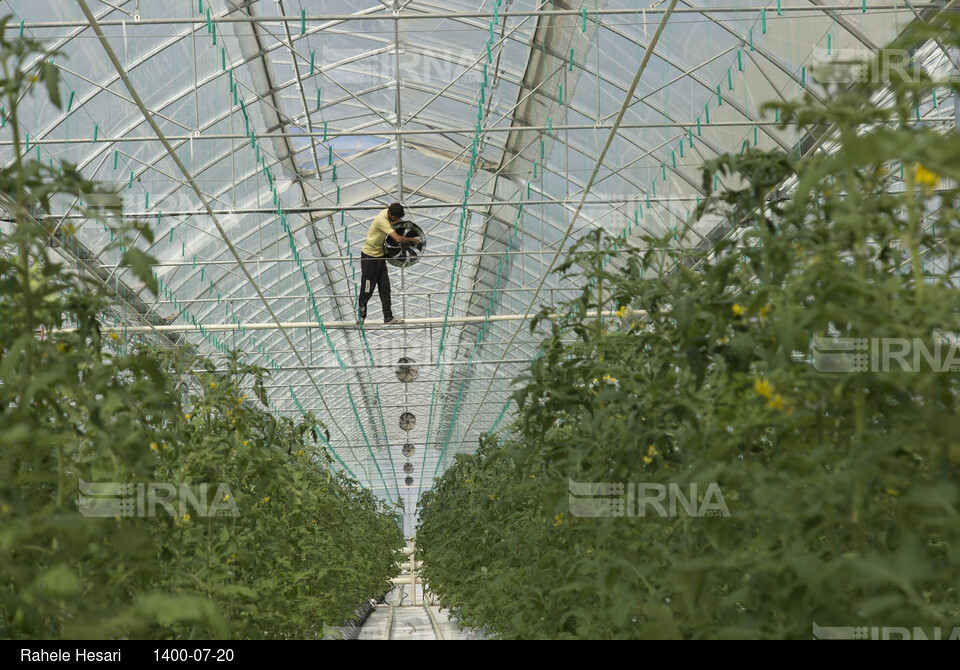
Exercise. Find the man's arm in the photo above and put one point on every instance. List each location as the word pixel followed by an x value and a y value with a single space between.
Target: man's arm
pixel 400 239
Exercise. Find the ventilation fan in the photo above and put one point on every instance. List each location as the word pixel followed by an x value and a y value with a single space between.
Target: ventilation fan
pixel 408 450
pixel 404 255
pixel 407 421
pixel 408 468
pixel 407 370
pixel 408 481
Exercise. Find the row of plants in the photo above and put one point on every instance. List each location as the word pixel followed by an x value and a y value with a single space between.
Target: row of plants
pixel 842 483
pixel 278 547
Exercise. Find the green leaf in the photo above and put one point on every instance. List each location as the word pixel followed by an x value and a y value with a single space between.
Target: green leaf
pixel 142 267
pixel 60 580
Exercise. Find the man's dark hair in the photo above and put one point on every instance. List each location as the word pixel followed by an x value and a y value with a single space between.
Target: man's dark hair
pixel 396 210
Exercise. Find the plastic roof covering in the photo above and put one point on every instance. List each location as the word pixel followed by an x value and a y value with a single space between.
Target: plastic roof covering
pixel 227 93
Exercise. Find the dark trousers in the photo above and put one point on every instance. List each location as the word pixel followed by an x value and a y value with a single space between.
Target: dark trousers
pixel 373 272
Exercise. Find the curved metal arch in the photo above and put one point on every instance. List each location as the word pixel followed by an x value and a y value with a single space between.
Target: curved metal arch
pixel 176 98
pixel 772 58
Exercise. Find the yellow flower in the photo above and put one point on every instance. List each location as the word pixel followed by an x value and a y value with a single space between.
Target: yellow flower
pixel 114 337
pixel 213 385
pixel 266 500
pixel 738 310
pixel 558 519
pixel 186 416
pixel 925 177
pixel 892 492
pixel 245 443
pixel 763 387
pixel 622 311
pixel 608 378
pixel 647 460
pixel 186 517
pixel 765 311
pixel 61 347
pixel 776 402
pixel 652 450
pixel 153 446
pixel 226 497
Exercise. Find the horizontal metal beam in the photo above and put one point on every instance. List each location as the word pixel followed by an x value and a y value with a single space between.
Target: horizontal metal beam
pixel 330 325
pixel 321 368
pixel 853 8
pixel 330 296
pixel 387 381
pixel 373 207
pixel 304 260
pixel 401 133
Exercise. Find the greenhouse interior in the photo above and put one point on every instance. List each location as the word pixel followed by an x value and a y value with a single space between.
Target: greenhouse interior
pixel 504 319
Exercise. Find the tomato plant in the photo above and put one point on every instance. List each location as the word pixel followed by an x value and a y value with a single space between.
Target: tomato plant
pixel 843 487
pixel 305 546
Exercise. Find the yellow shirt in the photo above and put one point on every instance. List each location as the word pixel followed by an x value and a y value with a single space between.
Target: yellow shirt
pixel 378 234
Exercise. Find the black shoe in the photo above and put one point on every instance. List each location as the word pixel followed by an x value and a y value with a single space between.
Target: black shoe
pixel 393 321
pixel 363 313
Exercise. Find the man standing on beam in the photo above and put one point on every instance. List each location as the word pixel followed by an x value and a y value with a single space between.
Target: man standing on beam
pixel 373 264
